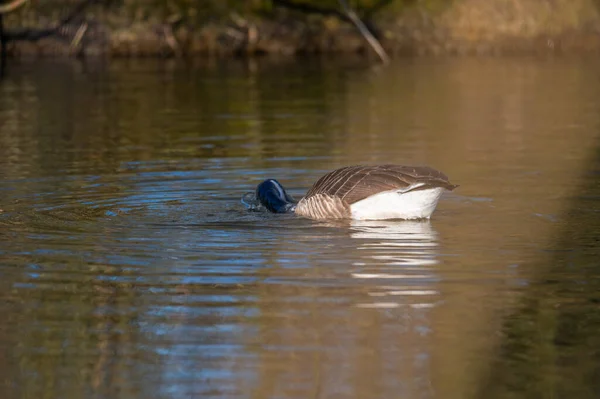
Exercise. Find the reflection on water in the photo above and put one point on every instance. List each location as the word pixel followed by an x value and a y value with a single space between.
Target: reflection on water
pixel 553 334
pixel 405 251
pixel 130 269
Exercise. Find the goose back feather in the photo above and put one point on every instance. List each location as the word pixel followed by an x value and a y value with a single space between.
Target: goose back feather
pixel 354 191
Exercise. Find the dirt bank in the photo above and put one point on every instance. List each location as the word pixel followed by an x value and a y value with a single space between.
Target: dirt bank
pixel 457 27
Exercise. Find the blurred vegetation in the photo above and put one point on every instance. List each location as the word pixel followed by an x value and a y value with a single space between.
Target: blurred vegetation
pixel 178 27
pixel 199 11
pixel 208 9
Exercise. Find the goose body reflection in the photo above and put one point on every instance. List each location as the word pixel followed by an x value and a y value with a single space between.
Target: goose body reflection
pixel 361 193
pixel 400 259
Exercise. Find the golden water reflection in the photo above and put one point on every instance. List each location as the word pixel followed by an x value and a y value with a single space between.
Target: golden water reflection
pixel 130 268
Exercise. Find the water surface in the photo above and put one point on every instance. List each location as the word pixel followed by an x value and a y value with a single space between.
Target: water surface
pixel 129 268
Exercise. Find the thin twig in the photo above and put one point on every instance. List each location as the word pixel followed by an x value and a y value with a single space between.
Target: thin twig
pixel 235 34
pixel 238 20
pixel 373 42
pixel 79 35
pixel 6 8
pixel 251 38
pixel 171 40
pixel 347 15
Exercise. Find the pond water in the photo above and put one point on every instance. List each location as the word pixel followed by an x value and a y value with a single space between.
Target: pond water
pixel 130 269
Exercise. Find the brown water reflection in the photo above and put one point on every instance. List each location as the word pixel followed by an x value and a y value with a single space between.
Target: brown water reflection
pixel 130 269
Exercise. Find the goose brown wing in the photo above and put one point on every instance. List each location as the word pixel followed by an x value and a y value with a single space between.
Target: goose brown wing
pixel 355 183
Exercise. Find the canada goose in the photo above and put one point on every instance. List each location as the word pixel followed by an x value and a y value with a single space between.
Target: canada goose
pixel 360 192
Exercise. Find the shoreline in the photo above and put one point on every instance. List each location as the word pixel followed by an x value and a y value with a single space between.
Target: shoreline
pixel 468 27
pixel 150 44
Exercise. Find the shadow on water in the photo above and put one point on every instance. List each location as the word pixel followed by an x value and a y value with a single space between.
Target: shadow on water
pixel 551 344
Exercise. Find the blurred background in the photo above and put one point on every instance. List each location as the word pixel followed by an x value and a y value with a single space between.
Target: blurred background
pixel 188 27
pixel 129 131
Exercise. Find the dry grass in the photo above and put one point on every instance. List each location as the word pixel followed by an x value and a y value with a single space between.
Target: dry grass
pixel 475 20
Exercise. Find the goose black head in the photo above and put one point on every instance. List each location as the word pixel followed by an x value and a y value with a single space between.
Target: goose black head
pixel 273 196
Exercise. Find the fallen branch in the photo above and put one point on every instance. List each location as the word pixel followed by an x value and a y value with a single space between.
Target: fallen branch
pixel 373 42
pixel 34 35
pixel 308 8
pixel 347 15
pixel 4 9
pixel 250 36
pixel 3 43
